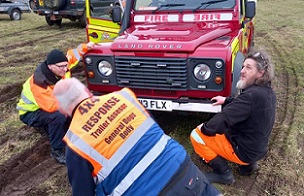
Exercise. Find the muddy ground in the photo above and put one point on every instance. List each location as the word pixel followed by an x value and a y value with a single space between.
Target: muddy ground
pixel 28 173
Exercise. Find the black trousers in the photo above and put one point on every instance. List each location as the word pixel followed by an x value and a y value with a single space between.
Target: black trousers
pixel 189 181
pixel 55 124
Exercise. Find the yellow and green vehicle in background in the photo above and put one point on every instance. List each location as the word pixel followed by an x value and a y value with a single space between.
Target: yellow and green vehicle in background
pixel 100 27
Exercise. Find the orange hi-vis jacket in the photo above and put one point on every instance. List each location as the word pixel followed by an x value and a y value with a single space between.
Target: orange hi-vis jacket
pixel 129 152
pixel 37 92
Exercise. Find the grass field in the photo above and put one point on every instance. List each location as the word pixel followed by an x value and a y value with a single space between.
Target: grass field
pixel 27 169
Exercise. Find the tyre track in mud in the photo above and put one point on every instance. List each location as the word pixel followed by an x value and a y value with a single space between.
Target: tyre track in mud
pixel 42 27
pixel 287 96
pixel 65 28
pixel 8 98
pixel 7 50
pixel 24 172
pixel 38 39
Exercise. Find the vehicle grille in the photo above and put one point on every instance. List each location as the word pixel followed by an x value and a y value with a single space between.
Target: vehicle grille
pixel 151 73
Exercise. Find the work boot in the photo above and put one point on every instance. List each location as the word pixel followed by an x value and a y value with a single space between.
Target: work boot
pixel 221 172
pixel 59 155
pixel 247 170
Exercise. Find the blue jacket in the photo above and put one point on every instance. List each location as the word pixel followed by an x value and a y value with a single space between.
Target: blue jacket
pixel 103 157
pixel 158 175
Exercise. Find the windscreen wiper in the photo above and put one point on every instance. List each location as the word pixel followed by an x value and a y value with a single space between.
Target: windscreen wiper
pixel 168 6
pixel 207 3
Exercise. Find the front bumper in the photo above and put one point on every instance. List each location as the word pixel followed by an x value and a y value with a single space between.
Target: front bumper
pixel 179 105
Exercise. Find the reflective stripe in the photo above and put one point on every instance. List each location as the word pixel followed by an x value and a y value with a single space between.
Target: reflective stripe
pixel 20 108
pixel 196 137
pixel 79 48
pixel 76 53
pixel 74 58
pixel 141 166
pixel 25 99
pixel 87 149
pixel 109 165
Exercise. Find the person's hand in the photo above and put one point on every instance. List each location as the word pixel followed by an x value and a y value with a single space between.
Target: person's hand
pixel 90 45
pixel 218 100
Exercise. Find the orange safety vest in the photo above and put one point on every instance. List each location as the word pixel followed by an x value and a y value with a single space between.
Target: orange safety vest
pixel 34 97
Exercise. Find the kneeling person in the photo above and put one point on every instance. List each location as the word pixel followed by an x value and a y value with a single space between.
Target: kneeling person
pixel 114 147
pixel 38 107
pixel 240 133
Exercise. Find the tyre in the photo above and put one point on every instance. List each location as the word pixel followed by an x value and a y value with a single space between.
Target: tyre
pixel 49 21
pixel 32 5
pixel 83 20
pixel 73 18
pixel 58 22
pixel 15 14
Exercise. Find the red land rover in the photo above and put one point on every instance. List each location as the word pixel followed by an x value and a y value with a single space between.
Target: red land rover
pixel 175 55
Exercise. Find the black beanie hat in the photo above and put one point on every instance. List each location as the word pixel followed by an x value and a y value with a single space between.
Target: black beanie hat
pixel 55 56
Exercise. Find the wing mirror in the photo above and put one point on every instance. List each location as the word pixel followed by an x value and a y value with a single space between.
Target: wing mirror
pixel 116 14
pixel 250 9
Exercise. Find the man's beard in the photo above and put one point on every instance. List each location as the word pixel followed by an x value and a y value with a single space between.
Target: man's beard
pixel 241 84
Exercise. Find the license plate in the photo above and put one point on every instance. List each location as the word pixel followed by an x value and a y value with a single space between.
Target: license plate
pixel 155 104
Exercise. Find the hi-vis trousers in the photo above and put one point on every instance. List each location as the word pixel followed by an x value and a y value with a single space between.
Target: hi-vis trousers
pixel 208 147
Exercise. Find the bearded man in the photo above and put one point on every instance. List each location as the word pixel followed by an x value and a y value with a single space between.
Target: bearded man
pixel 240 132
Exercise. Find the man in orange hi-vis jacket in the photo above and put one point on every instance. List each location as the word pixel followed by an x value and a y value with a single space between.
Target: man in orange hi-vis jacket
pixel 38 107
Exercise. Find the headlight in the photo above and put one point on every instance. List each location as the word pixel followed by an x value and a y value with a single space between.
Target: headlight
pixel 202 72
pixel 88 60
pixel 105 68
pixel 218 64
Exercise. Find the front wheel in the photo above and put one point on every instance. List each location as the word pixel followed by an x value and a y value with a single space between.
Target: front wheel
pixel 15 14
